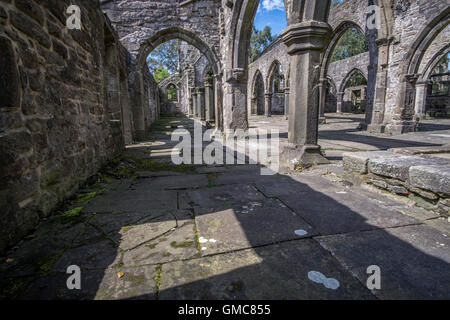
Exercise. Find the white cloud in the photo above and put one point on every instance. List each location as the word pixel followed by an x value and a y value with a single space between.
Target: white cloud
pixel 271 5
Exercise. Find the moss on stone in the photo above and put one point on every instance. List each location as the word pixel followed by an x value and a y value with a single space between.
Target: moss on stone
pixel 185 244
pixel 87 196
pixel 71 216
pixel 158 276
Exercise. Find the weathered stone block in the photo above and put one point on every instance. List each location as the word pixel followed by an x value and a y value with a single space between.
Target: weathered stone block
pixel 357 161
pixel 435 178
pixel 397 166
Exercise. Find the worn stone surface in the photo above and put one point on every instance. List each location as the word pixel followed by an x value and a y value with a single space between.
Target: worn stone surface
pixel 431 177
pixel 260 274
pixel 398 167
pixel 229 238
pixel 421 246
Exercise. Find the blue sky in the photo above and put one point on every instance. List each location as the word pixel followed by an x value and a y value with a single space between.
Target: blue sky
pixel 271 13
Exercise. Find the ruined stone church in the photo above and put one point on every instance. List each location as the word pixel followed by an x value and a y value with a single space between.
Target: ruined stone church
pixel 71 99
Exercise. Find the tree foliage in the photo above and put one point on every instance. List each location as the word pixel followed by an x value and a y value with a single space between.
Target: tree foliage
pixel 163 60
pixel 160 74
pixel 352 43
pixel 259 41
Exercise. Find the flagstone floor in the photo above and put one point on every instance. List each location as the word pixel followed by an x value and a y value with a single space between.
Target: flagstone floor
pixel 146 229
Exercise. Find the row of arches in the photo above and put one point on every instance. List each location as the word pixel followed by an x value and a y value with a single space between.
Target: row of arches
pixel 269 92
pixel 230 72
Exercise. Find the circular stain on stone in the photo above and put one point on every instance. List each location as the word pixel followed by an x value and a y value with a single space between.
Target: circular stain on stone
pixel 301 232
pixel 331 283
pixel 316 277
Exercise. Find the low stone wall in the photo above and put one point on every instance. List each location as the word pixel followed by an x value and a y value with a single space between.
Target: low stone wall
pixel 57 127
pixel 422 178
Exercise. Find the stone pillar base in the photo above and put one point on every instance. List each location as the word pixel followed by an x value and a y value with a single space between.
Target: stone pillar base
pixel 294 156
pixel 376 128
pixel 400 128
pixel 322 120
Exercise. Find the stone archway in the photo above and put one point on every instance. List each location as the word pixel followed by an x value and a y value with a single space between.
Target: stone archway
pixel 258 91
pixel 275 94
pixel 402 120
pixel 370 73
pixel 192 39
pixel 345 99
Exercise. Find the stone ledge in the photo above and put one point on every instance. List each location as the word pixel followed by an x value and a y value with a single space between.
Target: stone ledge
pixel 435 178
pixel 424 179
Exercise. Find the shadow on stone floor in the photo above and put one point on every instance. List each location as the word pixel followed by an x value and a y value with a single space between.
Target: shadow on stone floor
pixel 229 233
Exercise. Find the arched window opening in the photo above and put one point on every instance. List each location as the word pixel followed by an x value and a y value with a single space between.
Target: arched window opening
pixel 352 43
pixel 355 90
pixel 172 93
pixel 438 93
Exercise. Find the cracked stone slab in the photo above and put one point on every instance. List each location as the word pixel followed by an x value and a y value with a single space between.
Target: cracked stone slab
pixel 47 242
pixel 136 284
pixel 344 211
pixel 260 274
pixel 179 244
pixel 129 230
pixel 253 224
pixel 223 196
pixel 175 182
pixel 414 260
pixel 97 255
pixel 133 201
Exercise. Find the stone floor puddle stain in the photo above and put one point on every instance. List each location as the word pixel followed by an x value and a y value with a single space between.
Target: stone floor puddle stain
pixel 318 277
pixel 301 232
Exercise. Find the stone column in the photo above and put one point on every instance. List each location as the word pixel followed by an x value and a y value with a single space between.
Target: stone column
pixel 191 104
pixel 268 104
pixel 209 100
pixel 235 99
pixel 402 118
pixel 254 105
pixel 201 103
pixel 340 102
pixel 218 104
pixel 195 102
pixel 421 100
pixel 322 97
pixel 376 125
pixel 286 102
pixel 305 41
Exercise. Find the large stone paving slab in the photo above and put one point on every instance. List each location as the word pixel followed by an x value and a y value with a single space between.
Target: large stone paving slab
pixel 185 181
pixel 133 201
pixel 272 272
pixel 344 210
pixel 251 225
pixel 179 244
pixel 222 197
pixel 36 254
pixel 414 260
pixel 137 283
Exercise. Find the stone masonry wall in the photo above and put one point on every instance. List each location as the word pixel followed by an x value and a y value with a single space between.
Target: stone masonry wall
pixel 410 19
pixel 56 128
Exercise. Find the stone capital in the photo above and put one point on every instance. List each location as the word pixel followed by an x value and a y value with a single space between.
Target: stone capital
pixel 199 90
pixel 208 81
pixel 308 35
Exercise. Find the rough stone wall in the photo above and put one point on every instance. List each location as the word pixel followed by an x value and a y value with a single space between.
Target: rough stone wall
pixel 411 17
pixel 339 71
pixel 349 10
pixel 56 127
pixel 277 51
pixel 137 21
